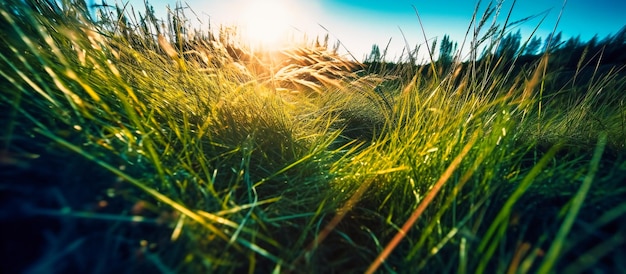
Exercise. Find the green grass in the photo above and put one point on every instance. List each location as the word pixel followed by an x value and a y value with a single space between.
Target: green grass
pixel 123 151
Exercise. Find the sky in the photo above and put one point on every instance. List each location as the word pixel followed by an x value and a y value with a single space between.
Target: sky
pixel 358 24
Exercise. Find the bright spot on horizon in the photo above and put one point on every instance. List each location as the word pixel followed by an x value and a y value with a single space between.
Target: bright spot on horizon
pixel 266 23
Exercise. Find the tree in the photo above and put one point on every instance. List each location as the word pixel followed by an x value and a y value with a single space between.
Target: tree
pixel 374 56
pixel 553 42
pixel 616 47
pixel 533 46
pixel 509 45
pixel 446 51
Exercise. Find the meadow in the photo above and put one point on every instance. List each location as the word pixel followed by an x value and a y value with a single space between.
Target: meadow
pixel 135 144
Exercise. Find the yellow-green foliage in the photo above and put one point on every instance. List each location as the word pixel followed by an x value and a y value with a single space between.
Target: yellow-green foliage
pixel 233 161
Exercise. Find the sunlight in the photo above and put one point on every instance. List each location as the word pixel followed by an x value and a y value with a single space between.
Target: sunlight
pixel 266 23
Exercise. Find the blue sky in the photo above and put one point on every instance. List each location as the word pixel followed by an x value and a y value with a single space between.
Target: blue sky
pixel 359 24
pixel 580 17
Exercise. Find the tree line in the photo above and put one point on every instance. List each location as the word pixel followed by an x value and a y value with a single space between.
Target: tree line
pixel 564 54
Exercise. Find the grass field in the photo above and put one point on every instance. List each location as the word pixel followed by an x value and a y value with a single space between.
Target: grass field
pixel 129 145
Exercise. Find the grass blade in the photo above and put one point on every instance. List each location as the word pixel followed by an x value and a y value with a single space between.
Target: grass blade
pixel 422 206
pixel 576 204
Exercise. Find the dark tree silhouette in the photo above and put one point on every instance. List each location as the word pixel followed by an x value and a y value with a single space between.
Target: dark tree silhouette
pixel 446 51
pixel 374 56
pixel 553 42
pixel 509 45
pixel 533 46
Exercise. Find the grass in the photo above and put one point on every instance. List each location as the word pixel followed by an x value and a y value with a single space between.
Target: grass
pixel 132 147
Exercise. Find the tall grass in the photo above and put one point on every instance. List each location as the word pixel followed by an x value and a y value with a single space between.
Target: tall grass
pixel 210 158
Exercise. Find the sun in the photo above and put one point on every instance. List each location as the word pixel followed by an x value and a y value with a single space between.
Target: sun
pixel 266 23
